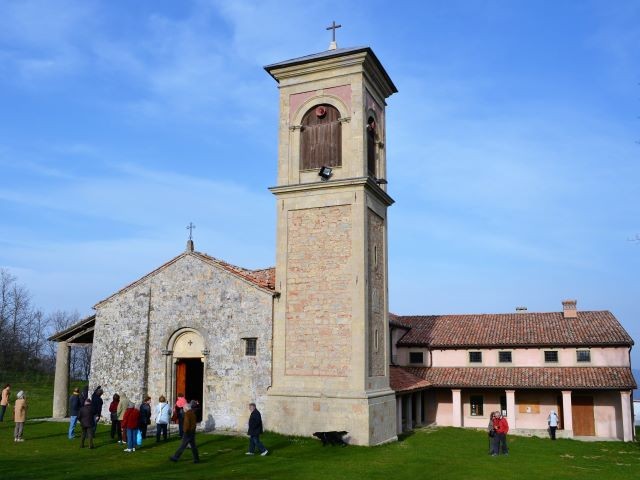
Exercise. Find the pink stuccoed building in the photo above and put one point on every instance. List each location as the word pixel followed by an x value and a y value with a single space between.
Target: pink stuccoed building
pixel 454 370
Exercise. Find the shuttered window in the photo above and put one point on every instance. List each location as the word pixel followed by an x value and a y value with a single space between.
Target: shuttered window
pixel 321 138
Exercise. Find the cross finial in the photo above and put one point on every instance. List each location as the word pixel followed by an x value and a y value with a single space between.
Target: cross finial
pixel 190 227
pixel 333 45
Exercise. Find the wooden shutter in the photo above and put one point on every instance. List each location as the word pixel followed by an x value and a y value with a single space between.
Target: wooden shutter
pixel 321 139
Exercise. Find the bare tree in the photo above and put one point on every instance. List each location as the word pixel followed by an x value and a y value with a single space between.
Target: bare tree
pixel 80 355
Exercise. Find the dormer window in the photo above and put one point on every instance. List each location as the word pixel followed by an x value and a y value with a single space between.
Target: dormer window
pixel 321 138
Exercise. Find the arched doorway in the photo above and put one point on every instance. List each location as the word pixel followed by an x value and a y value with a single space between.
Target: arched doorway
pixel 188 360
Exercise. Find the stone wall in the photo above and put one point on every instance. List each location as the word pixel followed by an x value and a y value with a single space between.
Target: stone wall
pixel 319 300
pixel 188 293
pixel 377 262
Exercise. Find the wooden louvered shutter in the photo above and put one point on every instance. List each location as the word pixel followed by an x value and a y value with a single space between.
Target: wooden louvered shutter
pixel 321 139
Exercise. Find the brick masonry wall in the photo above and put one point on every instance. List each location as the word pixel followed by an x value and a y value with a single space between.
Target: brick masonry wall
pixel 319 300
pixel 188 293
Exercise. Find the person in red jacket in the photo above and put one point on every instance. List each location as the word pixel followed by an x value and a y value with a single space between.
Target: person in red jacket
pixel 501 427
pixel 130 426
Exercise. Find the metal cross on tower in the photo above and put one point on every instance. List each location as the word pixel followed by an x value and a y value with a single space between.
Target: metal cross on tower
pixel 333 45
pixel 190 227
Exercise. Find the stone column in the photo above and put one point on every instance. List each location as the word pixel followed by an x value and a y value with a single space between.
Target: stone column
pixel 456 417
pixel 511 407
pixel 419 408
pixel 567 413
pixel 409 407
pixel 627 418
pixel 399 414
pixel 61 383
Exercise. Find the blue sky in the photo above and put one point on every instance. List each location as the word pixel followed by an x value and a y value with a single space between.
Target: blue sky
pixel 512 149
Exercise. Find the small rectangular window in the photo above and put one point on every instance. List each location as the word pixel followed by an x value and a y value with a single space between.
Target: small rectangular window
pixel 504 357
pixel 416 357
pixel 250 347
pixel 477 407
pixel 551 356
pixel 583 355
pixel 475 357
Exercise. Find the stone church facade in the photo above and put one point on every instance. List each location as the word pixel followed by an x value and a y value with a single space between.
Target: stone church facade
pixel 311 341
pixel 196 326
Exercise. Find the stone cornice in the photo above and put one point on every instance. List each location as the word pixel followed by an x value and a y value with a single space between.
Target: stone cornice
pixel 366 182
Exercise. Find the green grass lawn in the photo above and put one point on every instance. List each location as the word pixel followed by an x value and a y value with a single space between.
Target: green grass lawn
pixel 444 453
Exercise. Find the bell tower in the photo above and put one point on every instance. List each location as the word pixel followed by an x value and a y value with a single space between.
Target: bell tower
pixel 331 335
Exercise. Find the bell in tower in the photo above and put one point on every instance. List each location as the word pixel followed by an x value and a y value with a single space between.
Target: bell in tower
pixel 331 336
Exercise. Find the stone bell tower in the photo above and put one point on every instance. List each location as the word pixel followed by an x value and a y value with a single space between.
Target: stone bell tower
pixel 331 336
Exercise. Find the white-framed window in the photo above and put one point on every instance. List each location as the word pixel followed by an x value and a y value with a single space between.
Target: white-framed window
pixel 476 402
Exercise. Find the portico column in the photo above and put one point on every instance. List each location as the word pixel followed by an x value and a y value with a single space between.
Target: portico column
pixel 456 417
pixel 61 382
pixel 419 408
pixel 399 414
pixel 409 414
pixel 567 421
pixel 627 420
pixel 511 407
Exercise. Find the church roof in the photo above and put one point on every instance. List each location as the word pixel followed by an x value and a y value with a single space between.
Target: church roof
pixel 575 378
pixel 514 329
pixel 338 52
pixel 261 278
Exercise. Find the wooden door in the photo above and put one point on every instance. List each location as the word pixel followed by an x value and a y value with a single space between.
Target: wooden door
pixel 321 138
pixel 583 420
pixel 181 377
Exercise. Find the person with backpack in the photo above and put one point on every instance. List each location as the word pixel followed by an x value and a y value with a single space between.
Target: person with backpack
pixel 163 416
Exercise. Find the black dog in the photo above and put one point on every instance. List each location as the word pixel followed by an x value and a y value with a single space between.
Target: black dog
pixel 332 438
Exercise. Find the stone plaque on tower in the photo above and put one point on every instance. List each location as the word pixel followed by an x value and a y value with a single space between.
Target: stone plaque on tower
pixel 331 336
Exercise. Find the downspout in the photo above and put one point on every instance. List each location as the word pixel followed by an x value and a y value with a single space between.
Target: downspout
pixel 145 378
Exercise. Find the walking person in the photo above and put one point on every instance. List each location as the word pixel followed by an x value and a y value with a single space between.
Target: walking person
pixel 188 435
pixel 145 416
pixel 130 423
pixel 123 403
pixel 255 430
pixel 552 420
pixel 96 406
pixel 116 430
pixel 19 416
pixel 179 412
pixel 74 410
pixel 163 416
pixel 501 426
pixel 86 418
pixel 4 400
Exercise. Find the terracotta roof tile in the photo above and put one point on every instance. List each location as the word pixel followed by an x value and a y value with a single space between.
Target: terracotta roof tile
pixel 401 380
pixel 575 378
pixel 264 278
pixel 514 329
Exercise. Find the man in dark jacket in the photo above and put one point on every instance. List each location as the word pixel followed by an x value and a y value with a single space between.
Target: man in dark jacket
pixel 145 416
pixel 86 418
pixel 188 435
pixel 255 429
pixel 96 406
pixel 74 408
